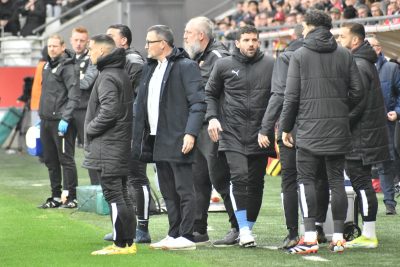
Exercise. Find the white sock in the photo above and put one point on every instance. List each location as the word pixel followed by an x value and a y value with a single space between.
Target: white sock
pixel 369 230
pixel 337 237
pixel 310 236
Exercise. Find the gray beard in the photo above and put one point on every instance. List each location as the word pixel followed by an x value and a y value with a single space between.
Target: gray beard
pixel 193 50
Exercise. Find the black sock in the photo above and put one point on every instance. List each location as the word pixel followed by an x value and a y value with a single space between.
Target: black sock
pixel 120 243
pixel 143 225
pixel 293 232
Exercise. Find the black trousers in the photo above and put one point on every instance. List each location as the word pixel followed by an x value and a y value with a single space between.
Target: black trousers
pixel 177 189
pixel 57 155
pixel 360 177
pixel 122 213
pixel 79 118
pixel 138 179
pixel 247 179
pixel 307 171
pixel 210 169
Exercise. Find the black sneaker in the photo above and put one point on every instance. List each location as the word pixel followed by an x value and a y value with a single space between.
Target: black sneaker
pixel 321 238
pixel 390 209
pixel 70 204
pixel 200 239
pixel 289 242
pixel 231 239
pixel 50 204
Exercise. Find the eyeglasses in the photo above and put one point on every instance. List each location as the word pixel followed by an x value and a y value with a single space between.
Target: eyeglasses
pixel 151 42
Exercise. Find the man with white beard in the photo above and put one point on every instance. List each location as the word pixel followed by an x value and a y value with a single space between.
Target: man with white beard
pixel 209 168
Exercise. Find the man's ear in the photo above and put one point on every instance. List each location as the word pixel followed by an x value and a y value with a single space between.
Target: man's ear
pixel 237 43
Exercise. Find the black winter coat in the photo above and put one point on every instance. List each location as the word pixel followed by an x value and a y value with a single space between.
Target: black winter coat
pixel 323 85
pixel 87 76
pixel 181 110
pixel 279 75
pixel 369 130
pixel 237 94
pixel 108 122
pixel 133 66
pixel 60 88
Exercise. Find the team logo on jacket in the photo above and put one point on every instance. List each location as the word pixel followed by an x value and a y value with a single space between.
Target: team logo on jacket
pixel 236 72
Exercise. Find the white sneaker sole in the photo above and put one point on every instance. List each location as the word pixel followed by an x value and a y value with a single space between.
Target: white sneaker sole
pixel 182 248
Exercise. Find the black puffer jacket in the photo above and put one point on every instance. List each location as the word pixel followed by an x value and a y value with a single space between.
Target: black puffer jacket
pixel 370 133
pixel 60 88
pixel 108 122
pixel 279 75
pixel 181 107
pixel 133 66
pixel 237 94
pixel 323 85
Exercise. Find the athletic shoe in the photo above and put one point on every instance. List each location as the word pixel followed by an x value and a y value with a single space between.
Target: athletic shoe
pixel 161 244
pixel 200 239
pixel 390 209
pixel 231 239
pixel 115 250
pixel 180 243
pixel 246 239
pixel 337 247
pixel 304 247
pixel 142 237
pixel 50 204
pixel 362 242
pixel 70 204
pixel 321 238
pixel 109 237
pixel 289 242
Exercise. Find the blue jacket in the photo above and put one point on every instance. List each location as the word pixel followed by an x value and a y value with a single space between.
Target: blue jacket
pixel 389 75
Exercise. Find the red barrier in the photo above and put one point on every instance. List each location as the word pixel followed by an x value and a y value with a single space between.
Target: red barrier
pixel 11 84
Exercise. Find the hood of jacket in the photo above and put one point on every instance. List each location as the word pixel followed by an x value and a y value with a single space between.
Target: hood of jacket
pixel 176 53
pixel 245 59
pixel 116 59
pixel 294 45
pixel 366 52
pixel 68 57
pixel 381 60
pixel 320 40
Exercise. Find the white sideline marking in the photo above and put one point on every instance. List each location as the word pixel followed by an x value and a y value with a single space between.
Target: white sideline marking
pixel 270 247
pixel 314 258
pixel 37 184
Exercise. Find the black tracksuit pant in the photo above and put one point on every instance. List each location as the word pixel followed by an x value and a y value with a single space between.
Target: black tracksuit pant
pixel 247 181
pixel 122 213
pixel 210 169
pixel 176 186
pixel 307 171
pixel 57 155
pixel 360 177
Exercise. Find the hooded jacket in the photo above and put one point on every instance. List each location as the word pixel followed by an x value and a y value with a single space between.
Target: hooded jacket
pixel 87 76
pixel 133 66
pixel 108 122
pixel 323 85
pixel 279 75
pixel 237 94
pixel 181 110
pixel 369 130
pixel 60 88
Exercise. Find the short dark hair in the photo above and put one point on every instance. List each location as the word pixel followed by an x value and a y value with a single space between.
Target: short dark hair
pixel 246 29
pixel 318 18
pixel 355 28
pixel 103 39
pixel 164 32
pixel 349 12
pixel 124 31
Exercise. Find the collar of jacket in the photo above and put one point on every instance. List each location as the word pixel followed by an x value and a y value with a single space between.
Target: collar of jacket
pixel 199 56
pixel 381 60
pixel 176 53
pixel 116 59
pixel 366 52
pixel 295 44
pixel 245 59
pixel 320 40
pixel 68 57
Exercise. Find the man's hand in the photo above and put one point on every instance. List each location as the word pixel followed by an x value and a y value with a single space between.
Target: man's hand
pixel 63 127
pixel 392 115
pixel 188 143
pixel 287 139
pixel 214 127
pixel 263 141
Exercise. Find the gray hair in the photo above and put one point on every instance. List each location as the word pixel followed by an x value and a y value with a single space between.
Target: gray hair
pixel 164 32
pixel 203 24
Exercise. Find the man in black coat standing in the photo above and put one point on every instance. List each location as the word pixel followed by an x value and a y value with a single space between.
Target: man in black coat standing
pixel 369 132
pixel 323 85
pixel 108 132
pixel 209 168
pixel 169 112
pixel 237 94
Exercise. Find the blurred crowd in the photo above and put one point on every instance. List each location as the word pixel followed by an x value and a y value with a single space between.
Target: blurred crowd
pixel 22 17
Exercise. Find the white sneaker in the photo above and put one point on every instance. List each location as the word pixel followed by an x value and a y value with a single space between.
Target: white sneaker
pixel 161 244
pixel 180 243
pixel 246 238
